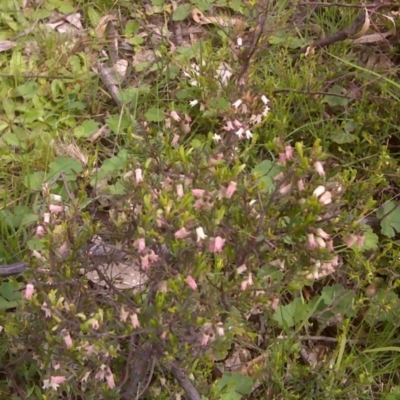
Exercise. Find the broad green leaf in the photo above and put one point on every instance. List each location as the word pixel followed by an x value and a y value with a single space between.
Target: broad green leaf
pixel 390 219
pixel 289 315
pixel 342 137
pixel 87 129
pixel 181 12
pixel 67 165
pixel 266 171
pixel 34 181
pixel 154 115
pixel 370 239
pixel 338 100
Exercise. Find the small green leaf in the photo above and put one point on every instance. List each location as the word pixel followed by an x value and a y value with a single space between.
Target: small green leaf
pixel 339 100
pixel 93 16
pixel 131 28
pixel 289 315
pixel 390 219
pixel 181 12
pixel 34 181
pixel 266 171
pixel 67 165
pixel 154 115
pixel 87 129
pixel 342 137
pixel 370 239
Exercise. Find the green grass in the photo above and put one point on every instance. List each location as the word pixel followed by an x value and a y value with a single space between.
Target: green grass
pixel 289 295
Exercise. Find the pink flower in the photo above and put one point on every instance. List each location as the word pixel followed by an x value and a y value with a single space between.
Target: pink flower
pixel 329 245
pixel 289 152
pixel 181 233
pixel 179 190
pixel 145 262
pixel 110 378
pixel 141 244
pixel 135 321
pixel 320 232
pixel 350 240
pixel 229 126
pixel 95 324
pixel 216 244
pixel 54 208
pixel 204 339
pixel 67 338
pixel 220 329
pixel 191 282
pixel 231 189
pixel 326 198
pixel 311 241
pixel 282 158
pixel 360 240
pixel 138 175
pixel 123 314
pixel 29 291
pixel 320 242
pixel 300 185
pixel 175 116
pixel 40 231
pixel 54 382
pixel 58 379
pixel 247 282
pixel 319 168
pixel 285 189
pixel 198 192
pixel 175 140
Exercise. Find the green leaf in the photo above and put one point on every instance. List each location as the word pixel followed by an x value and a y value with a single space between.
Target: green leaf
pixel 69 166
pixel 266 171
pixel 131 28
pixel 34 181
pixel 181 12
pixel 336 100
pixel 154 115
pixel 93 16
pixel 370 239
pixel 289 315
pixel 235 382
pixel 10 296
pixel 87 129
pixel 390 219
pixel 342 137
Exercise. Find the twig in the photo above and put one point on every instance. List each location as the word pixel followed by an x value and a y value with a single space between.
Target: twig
pixel 191 392
pixel 13 269
pixel 342 34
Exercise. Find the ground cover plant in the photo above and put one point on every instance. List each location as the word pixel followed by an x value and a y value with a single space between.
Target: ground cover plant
pixel 200 199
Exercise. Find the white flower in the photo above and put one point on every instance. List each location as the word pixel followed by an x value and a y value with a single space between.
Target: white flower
pixel 193 103
pixel 239 41
pixel 239 133
pixel 223 73
pixel 216 137
pixel 248 133
pixel 326 198
pixel 200 234
pixel 264 99
pixel 285 189
pixel 320 232
pixel 237 103
pixel 319 191
pixel 319 168
pixel 266 111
